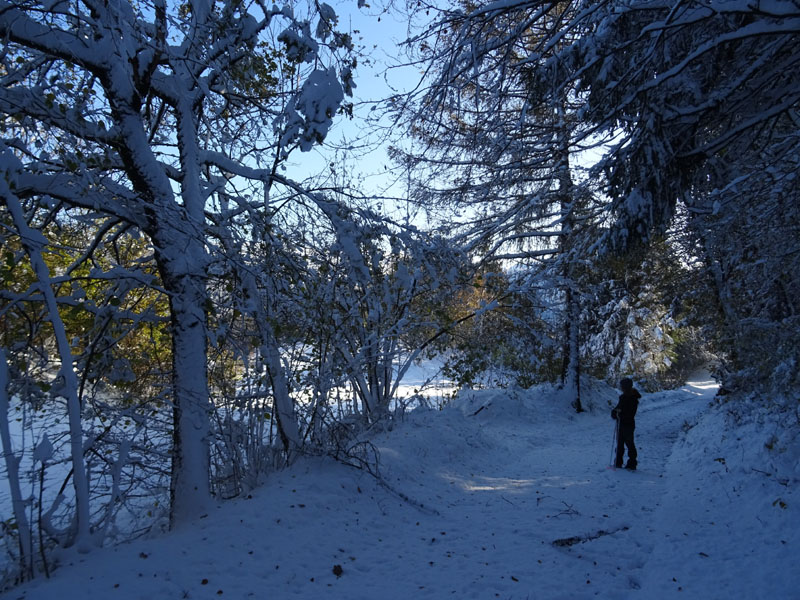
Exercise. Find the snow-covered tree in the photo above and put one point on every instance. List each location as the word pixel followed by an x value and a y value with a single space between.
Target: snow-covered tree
pixel 114 323
pixel 503 155
pixel 641 316
pixel 705 100
pixel 366 296
pixel 695 106
pixel 172 119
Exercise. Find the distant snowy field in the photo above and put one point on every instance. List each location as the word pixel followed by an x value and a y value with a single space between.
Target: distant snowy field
pixel 502 494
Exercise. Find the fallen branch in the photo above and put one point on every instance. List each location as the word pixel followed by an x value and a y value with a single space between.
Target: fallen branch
pixel 571 541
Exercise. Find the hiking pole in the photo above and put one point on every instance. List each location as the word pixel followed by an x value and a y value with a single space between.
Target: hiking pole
pixel 614 443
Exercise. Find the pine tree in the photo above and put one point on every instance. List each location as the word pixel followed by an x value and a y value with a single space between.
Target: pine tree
pixel 510 154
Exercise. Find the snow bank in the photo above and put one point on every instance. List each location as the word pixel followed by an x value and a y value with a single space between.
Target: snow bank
pixel 501 494
pixel 732 512
pixel 541 403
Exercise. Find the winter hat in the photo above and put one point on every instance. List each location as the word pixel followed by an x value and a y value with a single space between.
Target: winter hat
pixel 626 384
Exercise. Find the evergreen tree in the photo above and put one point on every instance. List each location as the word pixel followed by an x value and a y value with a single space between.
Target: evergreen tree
pixel 503 160
pixel 695 107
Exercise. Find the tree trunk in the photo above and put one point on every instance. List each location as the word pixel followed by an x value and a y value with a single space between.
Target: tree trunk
pixel 574 365
pixel 184 280
pixel 284 407
pixel 566 191
pixel 12 469
pixel 270 352
pixel 33 241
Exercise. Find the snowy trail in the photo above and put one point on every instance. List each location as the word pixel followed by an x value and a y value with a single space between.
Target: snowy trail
pixel 475 497
pixel 540 484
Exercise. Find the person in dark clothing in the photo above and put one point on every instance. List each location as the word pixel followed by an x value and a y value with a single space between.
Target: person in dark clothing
pixel 625 413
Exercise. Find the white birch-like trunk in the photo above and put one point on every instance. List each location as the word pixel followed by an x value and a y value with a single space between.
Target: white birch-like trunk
pixel 284 408
pixel 33 241
pixel 12 468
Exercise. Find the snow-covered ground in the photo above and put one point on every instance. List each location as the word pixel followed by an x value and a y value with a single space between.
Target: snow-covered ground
pixel 500 495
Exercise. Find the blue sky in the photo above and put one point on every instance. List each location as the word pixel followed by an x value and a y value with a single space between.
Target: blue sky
pixel 379 32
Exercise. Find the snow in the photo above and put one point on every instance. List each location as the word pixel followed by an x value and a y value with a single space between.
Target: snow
pixel 423 380
pixel 501 494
